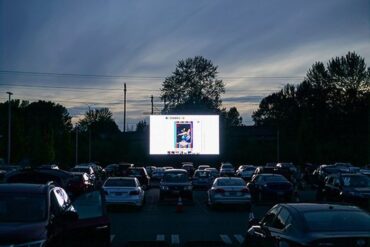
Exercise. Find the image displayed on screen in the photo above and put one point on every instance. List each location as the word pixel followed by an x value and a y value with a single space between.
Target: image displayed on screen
pixel 184 134
pixel 184 131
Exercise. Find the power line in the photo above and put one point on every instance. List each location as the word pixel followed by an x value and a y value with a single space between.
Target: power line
pixel 18 72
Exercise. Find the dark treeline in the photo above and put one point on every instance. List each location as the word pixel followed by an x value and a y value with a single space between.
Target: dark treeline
pixel 323 119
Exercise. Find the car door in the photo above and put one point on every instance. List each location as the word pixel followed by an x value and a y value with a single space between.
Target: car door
pixel 280 235
pixel 262 234
pixel 92 228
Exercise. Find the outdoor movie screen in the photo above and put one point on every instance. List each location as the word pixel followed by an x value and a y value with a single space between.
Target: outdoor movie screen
pixel 184 134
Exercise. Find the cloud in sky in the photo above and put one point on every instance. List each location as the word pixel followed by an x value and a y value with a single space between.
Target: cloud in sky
pixel 147 38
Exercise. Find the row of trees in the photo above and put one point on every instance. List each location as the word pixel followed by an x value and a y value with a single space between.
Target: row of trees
pixel 325 117
pixel 322 119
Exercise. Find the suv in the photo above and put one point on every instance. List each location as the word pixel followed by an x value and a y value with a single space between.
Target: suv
pixel 189 167
pixel 141 174
pixel 176 183
pixel 43 215
pixel 227 169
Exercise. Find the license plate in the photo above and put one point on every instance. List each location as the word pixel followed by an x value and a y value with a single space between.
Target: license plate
pixel 118 193
pixel 232 193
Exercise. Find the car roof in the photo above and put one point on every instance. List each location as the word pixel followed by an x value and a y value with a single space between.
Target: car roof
pixel 121 178
pixel 24 188
pixel 311 207
pixel 229 178
pixel 175 170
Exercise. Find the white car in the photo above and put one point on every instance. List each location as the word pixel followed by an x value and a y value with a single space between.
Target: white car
pixel 124 191
pixel 229 190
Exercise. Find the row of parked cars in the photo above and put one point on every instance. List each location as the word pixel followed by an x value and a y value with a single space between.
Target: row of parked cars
pixel 47 206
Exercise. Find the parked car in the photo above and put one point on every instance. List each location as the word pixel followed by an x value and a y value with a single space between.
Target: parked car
pixel 149 170
pixel 52 166
pixel 321 173
pixel 141 174
pixel 175 183
pixel 123 191
pixel 202 179
pixel 60 178
pixel 158 173
pixel 79 184
pixel 347 187
pixel 203 167
pixel 310 225
pixel 227 169
pixel 85 169
pixel 214 172
pixel 365 171
pixel 189 167
pixel 246 172
pixel 289 171
pixel 123 169
pixel 111 170
pixel 229 190
pixel 270 186
pixel 43 215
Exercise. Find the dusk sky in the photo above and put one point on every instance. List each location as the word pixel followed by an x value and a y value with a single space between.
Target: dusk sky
pixel 258 47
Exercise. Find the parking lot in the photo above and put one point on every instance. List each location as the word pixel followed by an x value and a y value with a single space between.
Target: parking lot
pixel 198 225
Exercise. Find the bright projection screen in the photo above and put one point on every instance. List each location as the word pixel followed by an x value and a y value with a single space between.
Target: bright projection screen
pixel 184 134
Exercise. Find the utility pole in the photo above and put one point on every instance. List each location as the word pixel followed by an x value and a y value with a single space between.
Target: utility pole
pixel 9 126
pixel 76 129
pixel 151 99
pixel 124 107
pixel 278 145
pixel 89 126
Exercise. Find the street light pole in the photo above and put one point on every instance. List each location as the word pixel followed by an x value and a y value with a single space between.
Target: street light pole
pixel 76 129
pixel 9 126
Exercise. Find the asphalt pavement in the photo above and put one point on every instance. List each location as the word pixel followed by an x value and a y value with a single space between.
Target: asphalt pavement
pixel 158 224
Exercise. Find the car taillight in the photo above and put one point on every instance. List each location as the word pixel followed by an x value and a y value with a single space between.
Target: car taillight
pixel 220 191
pixel 134 193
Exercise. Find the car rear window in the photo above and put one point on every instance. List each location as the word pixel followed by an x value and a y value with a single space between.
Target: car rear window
pixel 230 182
pixel 120 183
pixel 275 178
pixel 337 220
pixel 137 172
pixel 356 181
pixel 174 177
pixel 227 166
pixel 202 174
pixel 22 208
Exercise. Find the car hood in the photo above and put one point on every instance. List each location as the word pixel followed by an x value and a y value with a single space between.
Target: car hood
pixel 16 233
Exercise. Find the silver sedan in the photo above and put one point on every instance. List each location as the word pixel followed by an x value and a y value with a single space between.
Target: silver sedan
pixel 229 190
pixel 123 190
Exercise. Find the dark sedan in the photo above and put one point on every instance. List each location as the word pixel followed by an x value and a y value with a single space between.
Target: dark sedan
pixel 270 187
pixel 347 187
pixel 310 225
pixel 175 183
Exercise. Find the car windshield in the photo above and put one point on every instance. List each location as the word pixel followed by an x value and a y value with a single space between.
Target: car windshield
pixel 356 181
pixel 175 177
pixel 22 208
pixel 337 221
pixel 230 182
pixel 274 178
pixel 249 169
pixel 120 183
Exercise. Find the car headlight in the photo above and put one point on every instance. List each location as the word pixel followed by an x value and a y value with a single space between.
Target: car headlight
pixel 39 243
pixel 164 187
